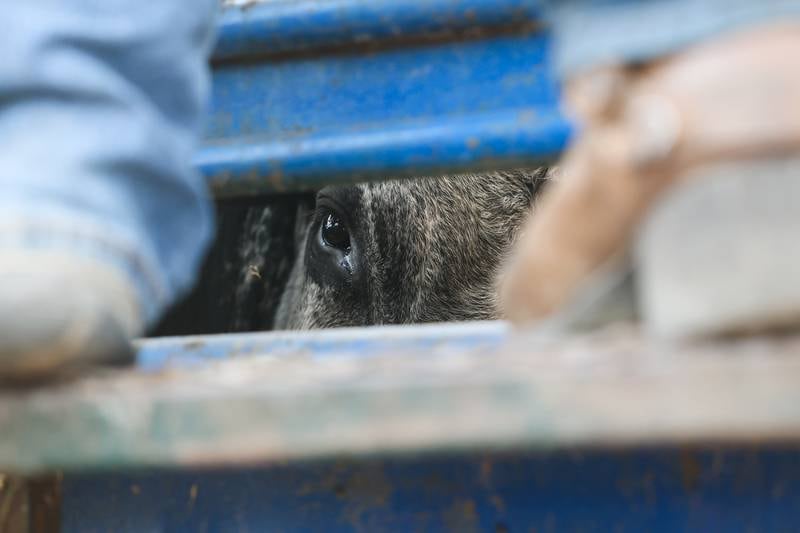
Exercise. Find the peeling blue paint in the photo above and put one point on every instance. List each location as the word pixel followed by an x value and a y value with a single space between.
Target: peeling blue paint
pixel 156 354
pixel 280 27
pixel 707 490
pixel 480 100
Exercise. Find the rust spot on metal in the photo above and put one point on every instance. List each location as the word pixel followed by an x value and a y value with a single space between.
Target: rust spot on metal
pixel 194 345
pixel 690 471
pixel 462 516
pixel 276 179
pixel 486 472
pixel 339 490
pixel 365 490
pixel 193 490
pixel 498 503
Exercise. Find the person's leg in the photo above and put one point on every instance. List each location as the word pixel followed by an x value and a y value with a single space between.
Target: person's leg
pixel 658 106
pixel 589 34
pixel 103 221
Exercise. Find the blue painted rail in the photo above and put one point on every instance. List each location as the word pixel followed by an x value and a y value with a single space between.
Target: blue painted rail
pixel 312 92
pixel 595 433
pixel 187 352
pixel 703 490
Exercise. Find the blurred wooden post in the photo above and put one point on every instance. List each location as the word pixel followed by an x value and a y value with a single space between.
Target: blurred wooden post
pixel 30 505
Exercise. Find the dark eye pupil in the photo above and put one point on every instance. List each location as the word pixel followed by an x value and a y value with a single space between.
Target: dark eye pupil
pixel 334 233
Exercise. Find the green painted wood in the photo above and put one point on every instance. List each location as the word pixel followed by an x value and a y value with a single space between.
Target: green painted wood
pixel 611 388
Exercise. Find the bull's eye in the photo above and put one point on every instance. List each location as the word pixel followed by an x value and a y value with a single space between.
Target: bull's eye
pixel 334 233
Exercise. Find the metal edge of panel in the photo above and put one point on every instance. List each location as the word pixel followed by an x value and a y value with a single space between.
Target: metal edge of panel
pixel 277 27
pixel 155 354
pixel 493 140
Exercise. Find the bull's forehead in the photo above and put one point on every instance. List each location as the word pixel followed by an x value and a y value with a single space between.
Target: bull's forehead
pixel 451 209
pixel 424 250
pixel 406 221
pixel 427 242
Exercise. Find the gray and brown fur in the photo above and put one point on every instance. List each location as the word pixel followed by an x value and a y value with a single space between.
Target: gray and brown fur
pixel 424 250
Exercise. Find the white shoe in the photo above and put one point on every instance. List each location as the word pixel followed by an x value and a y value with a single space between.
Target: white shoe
pixel 60 314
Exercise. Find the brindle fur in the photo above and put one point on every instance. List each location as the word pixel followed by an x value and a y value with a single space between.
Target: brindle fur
pixel 424 250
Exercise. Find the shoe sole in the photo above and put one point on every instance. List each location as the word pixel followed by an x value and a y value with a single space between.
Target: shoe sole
pixel 61 316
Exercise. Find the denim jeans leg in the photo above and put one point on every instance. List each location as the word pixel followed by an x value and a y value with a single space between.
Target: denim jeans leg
pixel 592 33
pixel 101 104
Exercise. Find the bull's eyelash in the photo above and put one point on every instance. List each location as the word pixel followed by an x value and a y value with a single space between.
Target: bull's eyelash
pixel 326 205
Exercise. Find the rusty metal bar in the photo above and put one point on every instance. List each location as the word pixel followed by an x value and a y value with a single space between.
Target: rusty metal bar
pixel 316 92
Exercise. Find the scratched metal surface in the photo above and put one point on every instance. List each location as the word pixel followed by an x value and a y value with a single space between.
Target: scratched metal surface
pixel 291 118
pixel 704 490
pixel 257 28
pixel 186 352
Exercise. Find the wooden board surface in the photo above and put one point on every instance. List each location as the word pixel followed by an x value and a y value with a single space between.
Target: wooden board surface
pixel 611 388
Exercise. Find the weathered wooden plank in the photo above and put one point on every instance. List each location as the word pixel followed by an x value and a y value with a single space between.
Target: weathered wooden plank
pixel 611 388
pixel 30 505
pixel 14 505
